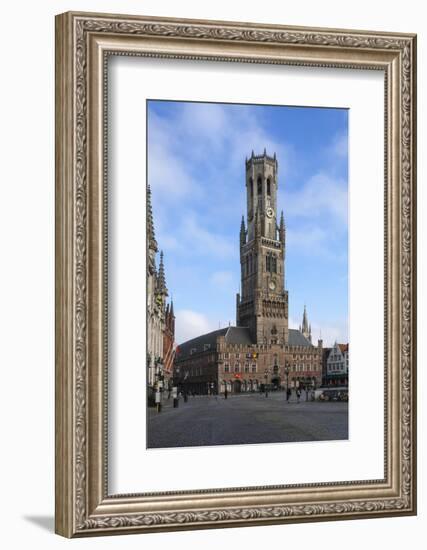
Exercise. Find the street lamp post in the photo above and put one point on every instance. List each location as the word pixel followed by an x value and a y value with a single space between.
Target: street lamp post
pixel 158 382
pixel 287 379
pixel 266 372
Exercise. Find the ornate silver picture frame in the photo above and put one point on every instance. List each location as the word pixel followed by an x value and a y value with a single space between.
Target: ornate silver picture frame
pixel 84 42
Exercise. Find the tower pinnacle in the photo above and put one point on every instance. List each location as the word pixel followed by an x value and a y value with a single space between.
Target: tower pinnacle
pixel 242 232
pixel 161 280
pixel 305 328
pixel 282 229
pixel 151 239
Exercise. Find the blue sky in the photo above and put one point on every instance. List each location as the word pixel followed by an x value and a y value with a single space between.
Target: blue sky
pixel 196 156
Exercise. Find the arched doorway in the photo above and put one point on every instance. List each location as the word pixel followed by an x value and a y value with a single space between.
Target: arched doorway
pixel 237 386
pixel 275 382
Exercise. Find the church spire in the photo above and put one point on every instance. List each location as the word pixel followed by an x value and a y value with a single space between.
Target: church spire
pixel 305 328
pixel 161 279
pixel 152 243
pixel 304 320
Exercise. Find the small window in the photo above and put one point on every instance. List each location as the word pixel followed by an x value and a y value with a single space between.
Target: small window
pixel 193 350
pixel 237 367
pixel 254 367
pixel 206 347
pixel 226 367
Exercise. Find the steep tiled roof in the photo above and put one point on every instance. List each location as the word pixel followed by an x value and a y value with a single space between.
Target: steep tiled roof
pixel 297 339
pixel 198 344
pixel 238 335
pixel 233 335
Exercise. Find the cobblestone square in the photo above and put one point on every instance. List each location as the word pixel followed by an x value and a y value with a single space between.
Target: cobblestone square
pixel 245 419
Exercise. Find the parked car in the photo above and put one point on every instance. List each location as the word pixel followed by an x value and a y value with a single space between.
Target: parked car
pixel 333 395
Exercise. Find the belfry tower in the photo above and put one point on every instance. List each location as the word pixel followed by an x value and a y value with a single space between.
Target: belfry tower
pixel 263 303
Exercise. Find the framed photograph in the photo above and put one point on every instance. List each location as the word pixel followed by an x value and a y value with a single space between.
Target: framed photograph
pixel 235 274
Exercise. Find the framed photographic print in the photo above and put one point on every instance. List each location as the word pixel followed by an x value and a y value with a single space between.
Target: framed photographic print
pixel 235 274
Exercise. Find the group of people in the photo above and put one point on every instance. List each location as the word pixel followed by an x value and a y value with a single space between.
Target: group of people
pixel 309 394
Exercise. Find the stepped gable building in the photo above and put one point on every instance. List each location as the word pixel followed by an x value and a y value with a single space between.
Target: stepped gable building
pixel 160 316
pixel 261 349
pixel 337 366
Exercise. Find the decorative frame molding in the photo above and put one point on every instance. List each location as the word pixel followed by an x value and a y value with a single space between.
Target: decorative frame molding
pixel 83 42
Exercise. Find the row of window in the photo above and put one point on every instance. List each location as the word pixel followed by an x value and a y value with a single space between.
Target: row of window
pixel 236 368
pixel 259 186
pixel 228 355
pixel 253 368
pixel 271 263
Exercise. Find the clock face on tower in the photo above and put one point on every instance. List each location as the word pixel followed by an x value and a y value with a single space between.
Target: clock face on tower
pixel 272 285
pixel 270 212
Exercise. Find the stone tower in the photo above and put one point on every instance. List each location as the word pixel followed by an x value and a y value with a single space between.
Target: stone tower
pixel 263 303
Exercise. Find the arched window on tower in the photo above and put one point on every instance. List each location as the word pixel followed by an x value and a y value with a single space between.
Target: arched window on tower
pixel 268 262
pixel 259 185
pixel 251 188
pixel 247 264
pixel 274 264
pixel 268 187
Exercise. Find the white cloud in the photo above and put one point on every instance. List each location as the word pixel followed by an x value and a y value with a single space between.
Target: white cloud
pixel 191 238
pixel 322 195
pixel 339 147
pixel 307 239
pixel 330 333
pixel 222 278
pixel 293 323
pixel 189 324
pixel 168 175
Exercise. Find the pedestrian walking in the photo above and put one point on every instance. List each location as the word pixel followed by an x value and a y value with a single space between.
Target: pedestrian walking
pixel 225 393
pixel 288 394
pixel 298 395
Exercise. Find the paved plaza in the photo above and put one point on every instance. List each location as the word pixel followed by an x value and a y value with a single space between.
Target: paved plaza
pixel 245 418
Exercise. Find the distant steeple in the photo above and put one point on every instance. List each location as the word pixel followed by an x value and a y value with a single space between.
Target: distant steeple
pixel 151 238
pixel 304 320
pixel 305 328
